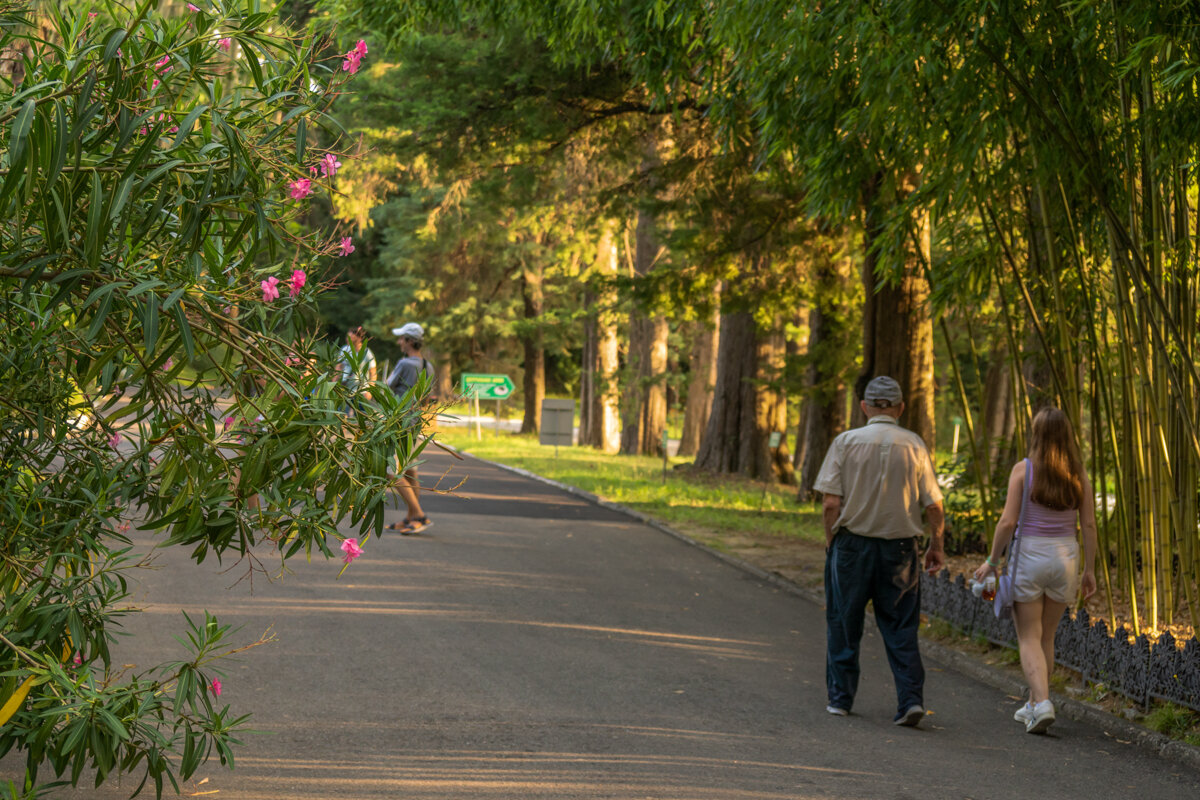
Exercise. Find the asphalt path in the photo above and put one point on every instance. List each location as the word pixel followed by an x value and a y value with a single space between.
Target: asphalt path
pixel 533 645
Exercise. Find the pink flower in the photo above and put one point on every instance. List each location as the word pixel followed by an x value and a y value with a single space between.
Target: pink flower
pixel 313 170
pixel 225 44
pixel 293 361
pixel 354 57
pixel 268 289
pixel 297 281
pixel 167 366
pixel 346 246
pixel 216 687
pixel 229 423
pixel 351 549
pixel 163 65
pixel 123 527
pixel 193 9
pixel 154 83
pixel 114 440
pixel 330 165
pixel 301 189
pixel 93 14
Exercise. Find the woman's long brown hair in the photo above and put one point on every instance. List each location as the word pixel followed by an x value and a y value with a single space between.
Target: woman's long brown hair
pixel 1057 467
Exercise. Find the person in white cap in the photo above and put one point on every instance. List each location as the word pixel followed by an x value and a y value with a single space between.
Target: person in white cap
pixel 877 480
pixel 410 337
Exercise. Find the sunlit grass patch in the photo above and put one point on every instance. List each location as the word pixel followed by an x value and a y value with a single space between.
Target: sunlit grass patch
pixel 694 500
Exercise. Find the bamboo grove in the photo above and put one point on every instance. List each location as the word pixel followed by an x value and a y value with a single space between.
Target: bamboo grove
pixel 1031 165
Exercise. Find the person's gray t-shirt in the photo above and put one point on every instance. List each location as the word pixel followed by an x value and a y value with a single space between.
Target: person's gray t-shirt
pixel 405 373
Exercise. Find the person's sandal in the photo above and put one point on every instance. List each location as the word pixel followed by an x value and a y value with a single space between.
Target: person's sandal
pixel 415 525
pixel 399 526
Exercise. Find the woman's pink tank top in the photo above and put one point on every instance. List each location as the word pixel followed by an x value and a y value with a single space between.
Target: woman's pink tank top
pixel 1042 521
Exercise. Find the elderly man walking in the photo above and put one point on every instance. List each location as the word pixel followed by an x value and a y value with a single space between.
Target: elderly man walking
pixel 877 480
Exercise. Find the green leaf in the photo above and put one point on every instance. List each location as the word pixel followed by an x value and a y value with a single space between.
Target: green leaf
pixel 61 142
pixel 301 138
pixel 158 171
pixel 99 294
pixel 121 197
pixel 150 323
pixel 185 127
pixel 20 130
pixel 113 44
pixel 101 315
pixel 95 224
pixel 185 331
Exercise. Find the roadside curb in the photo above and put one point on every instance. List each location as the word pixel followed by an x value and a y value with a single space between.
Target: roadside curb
pixel 1122 730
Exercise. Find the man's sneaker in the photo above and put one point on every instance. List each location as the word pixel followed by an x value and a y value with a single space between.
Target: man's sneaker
pixel 912 717
pixel 1024 714
pixel 837 712
pixel 1042 719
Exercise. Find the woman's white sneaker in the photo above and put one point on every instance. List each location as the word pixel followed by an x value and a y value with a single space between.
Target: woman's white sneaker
pixel 1042 719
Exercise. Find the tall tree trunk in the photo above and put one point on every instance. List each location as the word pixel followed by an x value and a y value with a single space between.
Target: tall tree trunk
pixel 535 355
pixel 759 459
pixel 706 337
pixel 644 414
pixel 897 326
pixel 600 422
pixel 733 395
pixel 587 369
pixel 825 405
pixel 798 349
pixel 748 404
pixel 830 322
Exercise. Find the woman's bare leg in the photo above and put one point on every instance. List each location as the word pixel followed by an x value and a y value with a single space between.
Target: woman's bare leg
pixel 1027 617
pixel 1052 612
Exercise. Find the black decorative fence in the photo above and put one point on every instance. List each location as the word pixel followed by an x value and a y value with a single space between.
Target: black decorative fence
pixel 1138 668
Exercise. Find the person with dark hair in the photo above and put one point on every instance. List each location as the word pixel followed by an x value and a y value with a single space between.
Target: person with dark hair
pixel 1047 577
pixel 410 337
pixel 356 361
pixel 877 481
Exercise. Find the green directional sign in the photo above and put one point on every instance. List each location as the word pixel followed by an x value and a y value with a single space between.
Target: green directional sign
pixel 486 387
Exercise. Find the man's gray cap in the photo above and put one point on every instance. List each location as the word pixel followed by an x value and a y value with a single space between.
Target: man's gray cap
pixel 410 329
pixel 883 392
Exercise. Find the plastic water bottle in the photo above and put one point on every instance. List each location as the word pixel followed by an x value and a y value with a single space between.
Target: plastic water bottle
pixel 985 588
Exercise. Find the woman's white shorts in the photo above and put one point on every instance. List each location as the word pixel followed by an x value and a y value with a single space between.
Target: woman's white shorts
pixel 1047 565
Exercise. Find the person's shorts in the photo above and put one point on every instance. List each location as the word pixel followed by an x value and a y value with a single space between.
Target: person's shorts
pixel 1047 565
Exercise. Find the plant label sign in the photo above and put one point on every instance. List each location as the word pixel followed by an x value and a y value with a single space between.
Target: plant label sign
pixel 486 387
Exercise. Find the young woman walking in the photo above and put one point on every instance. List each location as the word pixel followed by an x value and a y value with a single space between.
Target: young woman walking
pixel 1047 576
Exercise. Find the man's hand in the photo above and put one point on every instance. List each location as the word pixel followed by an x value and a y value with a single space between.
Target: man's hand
pixel 935 560
pixel 935 556
pixel 831 509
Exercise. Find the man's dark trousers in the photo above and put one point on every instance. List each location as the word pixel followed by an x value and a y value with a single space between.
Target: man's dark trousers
pixel 886 572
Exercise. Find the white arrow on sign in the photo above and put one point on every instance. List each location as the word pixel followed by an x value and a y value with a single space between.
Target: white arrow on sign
pixel 499 391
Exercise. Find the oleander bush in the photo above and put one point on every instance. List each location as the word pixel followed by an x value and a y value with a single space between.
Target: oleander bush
pixel 158 372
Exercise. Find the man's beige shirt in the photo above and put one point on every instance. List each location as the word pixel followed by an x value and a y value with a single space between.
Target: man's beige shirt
pixel 884 475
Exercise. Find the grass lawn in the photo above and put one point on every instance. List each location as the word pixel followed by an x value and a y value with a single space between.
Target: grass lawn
pixel 705 506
